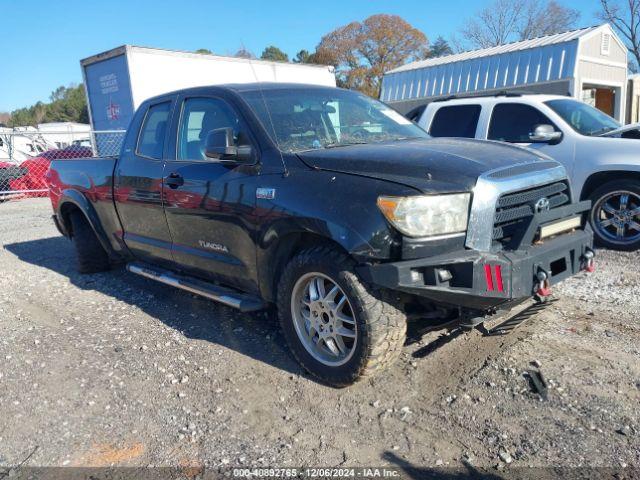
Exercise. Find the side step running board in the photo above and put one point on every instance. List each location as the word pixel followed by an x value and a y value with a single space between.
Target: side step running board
pixel 226 296
pixel 513 320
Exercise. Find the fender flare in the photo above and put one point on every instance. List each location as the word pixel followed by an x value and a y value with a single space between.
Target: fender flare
pixel 348 238
pixel 276 242
pixel 81 202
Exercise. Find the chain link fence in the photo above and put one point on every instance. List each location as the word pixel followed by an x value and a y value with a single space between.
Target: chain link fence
pixel 26 154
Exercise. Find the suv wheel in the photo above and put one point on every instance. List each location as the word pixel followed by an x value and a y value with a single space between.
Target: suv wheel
pixel 615 214
pixel 338 328
pixel 90 255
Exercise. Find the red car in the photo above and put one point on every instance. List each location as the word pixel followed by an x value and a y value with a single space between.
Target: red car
pixel 36 168
pixel 8 173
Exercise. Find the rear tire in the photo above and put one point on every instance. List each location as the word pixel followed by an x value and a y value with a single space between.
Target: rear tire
pixel 90 255
pixel 365 334
pixel 615 215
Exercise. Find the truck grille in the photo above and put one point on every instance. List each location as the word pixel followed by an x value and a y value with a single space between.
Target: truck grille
pixel 515 209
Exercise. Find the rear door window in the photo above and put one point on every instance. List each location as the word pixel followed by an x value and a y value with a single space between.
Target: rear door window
pixel 456 121
pixel 514 122
pixel 153 131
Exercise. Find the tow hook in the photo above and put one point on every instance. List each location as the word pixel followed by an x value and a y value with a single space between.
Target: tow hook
pixel 544 286
pixel 588 264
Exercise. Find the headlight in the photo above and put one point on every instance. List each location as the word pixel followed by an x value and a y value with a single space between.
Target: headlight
pixel 425 216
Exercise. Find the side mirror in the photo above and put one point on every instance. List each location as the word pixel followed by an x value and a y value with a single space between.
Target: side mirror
pixel 220 145
pixel 545 134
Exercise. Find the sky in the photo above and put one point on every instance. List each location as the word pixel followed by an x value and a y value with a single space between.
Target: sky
pixel 45 40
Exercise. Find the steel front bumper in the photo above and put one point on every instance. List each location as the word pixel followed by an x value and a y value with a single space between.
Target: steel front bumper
pixel 483 281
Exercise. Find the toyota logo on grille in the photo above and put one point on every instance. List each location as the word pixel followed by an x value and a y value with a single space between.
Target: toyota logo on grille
pixel 542 205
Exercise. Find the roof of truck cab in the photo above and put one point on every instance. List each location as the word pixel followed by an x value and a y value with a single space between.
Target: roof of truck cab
pixel 250 87
pixel 244 87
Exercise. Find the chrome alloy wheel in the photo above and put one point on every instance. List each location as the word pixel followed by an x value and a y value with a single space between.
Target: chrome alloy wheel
pixel 616 216
pixel 323 319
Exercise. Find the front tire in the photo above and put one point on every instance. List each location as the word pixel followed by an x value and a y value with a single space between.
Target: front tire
pixel 90 255
pixel 615 215
pixel 337 328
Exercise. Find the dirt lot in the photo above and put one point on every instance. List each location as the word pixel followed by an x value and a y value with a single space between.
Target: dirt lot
pixel 113 369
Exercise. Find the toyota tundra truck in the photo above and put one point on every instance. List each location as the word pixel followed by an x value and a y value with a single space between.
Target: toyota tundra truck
pixel 328 205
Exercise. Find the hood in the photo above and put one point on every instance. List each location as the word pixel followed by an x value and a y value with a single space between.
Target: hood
pixel 623 129
pixel 433 165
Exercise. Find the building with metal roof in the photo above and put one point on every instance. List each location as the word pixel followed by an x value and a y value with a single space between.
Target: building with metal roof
pixel 589 64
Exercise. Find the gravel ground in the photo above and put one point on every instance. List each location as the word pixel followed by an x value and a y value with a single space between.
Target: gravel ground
pixel 114 369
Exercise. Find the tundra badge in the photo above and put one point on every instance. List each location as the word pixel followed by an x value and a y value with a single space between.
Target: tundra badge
pixel 213 246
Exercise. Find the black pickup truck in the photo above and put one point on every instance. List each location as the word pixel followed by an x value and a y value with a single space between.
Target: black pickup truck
pixel 329 205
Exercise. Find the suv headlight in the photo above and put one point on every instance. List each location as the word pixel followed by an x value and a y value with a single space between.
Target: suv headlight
pixel 427 215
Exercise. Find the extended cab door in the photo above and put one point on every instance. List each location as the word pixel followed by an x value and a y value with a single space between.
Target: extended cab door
pixel 514 122
pixel 137 183
pixel 209 204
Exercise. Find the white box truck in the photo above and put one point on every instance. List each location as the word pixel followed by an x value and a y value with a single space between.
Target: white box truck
pixel 119 80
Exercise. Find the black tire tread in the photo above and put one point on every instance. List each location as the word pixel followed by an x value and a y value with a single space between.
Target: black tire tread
pixel 385 325
pixel 90 255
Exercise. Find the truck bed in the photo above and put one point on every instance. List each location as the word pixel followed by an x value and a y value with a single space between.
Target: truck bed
pixel 91 176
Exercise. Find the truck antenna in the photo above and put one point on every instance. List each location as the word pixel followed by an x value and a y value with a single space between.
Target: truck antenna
pixel 273 128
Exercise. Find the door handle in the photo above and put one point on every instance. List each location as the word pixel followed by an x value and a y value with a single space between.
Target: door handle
pixel 174 180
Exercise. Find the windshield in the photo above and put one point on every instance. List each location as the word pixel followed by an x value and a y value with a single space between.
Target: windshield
pixel 583 118
pixel 310 118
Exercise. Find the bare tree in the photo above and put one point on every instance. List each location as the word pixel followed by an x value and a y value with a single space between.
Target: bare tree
pixel 495 24
pixel 541 19
pixel 506 21
pixel 625 18
pixel 458 44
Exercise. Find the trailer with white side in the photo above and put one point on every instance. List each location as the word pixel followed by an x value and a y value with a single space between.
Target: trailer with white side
pixel 64 134
pixel 119 80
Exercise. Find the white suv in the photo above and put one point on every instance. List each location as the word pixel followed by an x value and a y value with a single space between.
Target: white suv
pixel 601 158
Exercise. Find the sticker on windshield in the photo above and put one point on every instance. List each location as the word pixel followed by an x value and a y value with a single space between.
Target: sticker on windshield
pixel 395 116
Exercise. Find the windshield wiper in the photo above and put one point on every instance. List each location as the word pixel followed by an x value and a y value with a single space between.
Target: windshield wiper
pixel 343 144
pixel 399 139
pixel 601 131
